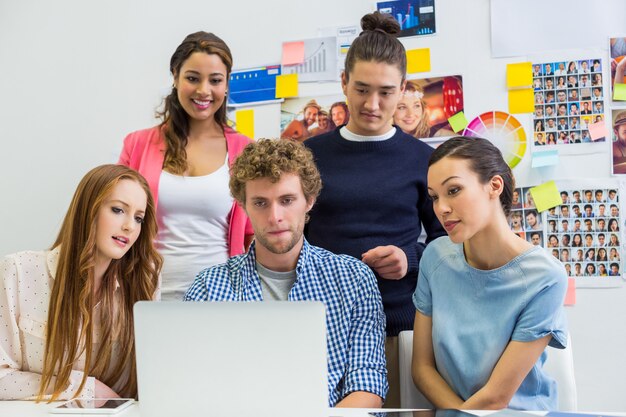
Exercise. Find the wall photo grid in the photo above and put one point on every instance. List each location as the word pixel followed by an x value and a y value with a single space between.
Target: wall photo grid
pixel 584 232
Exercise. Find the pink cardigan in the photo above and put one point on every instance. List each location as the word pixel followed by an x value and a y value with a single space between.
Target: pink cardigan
pixel 144 151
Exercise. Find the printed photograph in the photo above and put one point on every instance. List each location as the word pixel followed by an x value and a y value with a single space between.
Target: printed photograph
pixel 617 52
pixel 304 117
pixel 416 17
pixel 618 134
pixel 426 105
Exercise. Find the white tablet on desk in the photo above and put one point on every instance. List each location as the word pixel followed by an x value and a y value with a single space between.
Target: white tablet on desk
pixel 94 406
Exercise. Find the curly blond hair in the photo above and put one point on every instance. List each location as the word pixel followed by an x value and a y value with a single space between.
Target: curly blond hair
pixel 270 158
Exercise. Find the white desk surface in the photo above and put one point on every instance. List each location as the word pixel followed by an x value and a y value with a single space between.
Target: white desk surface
pixel 32 409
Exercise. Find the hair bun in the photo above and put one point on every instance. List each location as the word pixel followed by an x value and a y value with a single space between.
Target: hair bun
pixel 382 22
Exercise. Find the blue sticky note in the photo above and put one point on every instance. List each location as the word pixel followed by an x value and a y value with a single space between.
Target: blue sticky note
pixel 545 158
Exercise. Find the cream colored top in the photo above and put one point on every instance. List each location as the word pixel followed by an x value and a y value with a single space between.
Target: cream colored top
pixel 26 280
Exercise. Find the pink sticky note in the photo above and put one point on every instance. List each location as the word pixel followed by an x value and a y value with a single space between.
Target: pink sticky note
pixel 570 295
pixel 293 53
pixel 598 130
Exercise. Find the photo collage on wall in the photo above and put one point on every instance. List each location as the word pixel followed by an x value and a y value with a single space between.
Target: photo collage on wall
pixel 524 218
pixel 569 97
pixel 583 232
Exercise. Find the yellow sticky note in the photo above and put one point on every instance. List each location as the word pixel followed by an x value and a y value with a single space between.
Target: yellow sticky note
pixel 458 122
pixel 245 122
pixel 519 75
pixel 546 196
pixel 418 60
pixel 521 101
pixel 619 92
pixel 287 85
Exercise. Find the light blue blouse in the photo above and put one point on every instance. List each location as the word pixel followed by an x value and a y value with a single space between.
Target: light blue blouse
pixel 476 313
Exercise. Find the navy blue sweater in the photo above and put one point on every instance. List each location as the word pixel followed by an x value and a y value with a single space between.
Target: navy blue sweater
pixel 375 194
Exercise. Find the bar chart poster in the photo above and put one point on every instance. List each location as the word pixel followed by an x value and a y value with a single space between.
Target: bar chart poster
pixel 416 17
pixel 320 61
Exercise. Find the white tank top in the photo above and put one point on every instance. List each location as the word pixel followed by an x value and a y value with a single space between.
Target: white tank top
pixel 193 227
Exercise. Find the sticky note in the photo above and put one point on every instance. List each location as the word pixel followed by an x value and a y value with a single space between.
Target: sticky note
pixel 598 130
pixel 619 92
pixel 521 101
pixel 546 196
pixel 293 53
pixel 519 75
pixel 545 158
pixel 287 85
pixel 458 122
pixel 570 295
pixel 418 60
pixel 245 122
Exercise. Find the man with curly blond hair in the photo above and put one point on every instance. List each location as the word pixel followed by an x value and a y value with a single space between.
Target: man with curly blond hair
pixel 276 182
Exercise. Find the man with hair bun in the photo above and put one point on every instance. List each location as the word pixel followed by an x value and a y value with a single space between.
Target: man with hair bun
pixel 375 200
pixel 276 182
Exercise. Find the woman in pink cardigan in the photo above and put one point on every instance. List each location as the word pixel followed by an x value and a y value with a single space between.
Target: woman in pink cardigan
pixel 186 161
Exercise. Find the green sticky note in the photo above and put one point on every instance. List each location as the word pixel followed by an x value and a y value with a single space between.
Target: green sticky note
pixel 245 122
pixel 546 196
pixel 458 122
pixel 287 85
pixel 519 75
pixel 418 60
pixel 619 92
pixel 521 101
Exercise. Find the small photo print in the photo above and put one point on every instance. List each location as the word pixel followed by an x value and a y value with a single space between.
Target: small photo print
pixel 305 117
pixel 427 104
pixel 415 17
pixel 618 135
pixel 617 52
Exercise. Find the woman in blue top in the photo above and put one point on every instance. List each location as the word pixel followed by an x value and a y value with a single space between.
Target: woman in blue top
pixel 488 302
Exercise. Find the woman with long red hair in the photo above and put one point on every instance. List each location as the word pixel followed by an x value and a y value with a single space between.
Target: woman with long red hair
pixel 66 322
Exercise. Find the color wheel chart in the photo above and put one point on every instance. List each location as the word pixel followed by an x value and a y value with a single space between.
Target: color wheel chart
pixel 504 131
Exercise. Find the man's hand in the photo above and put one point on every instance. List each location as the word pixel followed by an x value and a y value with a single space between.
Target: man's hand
pixel 389 262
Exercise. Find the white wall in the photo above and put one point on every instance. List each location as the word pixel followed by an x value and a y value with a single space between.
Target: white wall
pixel 76 76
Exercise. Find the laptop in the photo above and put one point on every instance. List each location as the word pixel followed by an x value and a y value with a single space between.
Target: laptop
pixel 231 359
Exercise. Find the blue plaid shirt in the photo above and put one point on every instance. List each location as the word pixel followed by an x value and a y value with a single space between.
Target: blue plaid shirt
pixel 355 321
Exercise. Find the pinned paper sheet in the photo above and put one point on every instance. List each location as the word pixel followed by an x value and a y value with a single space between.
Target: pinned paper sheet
pixel 598 130
pixel 619 92
pixel 458 122
pixel 570 295
pixel 545 158
pixel 546 196
pixel 521 101
pixel 287 85
pixel 245 122
pixel 519 75
pixel 293 53
pixel 418 60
